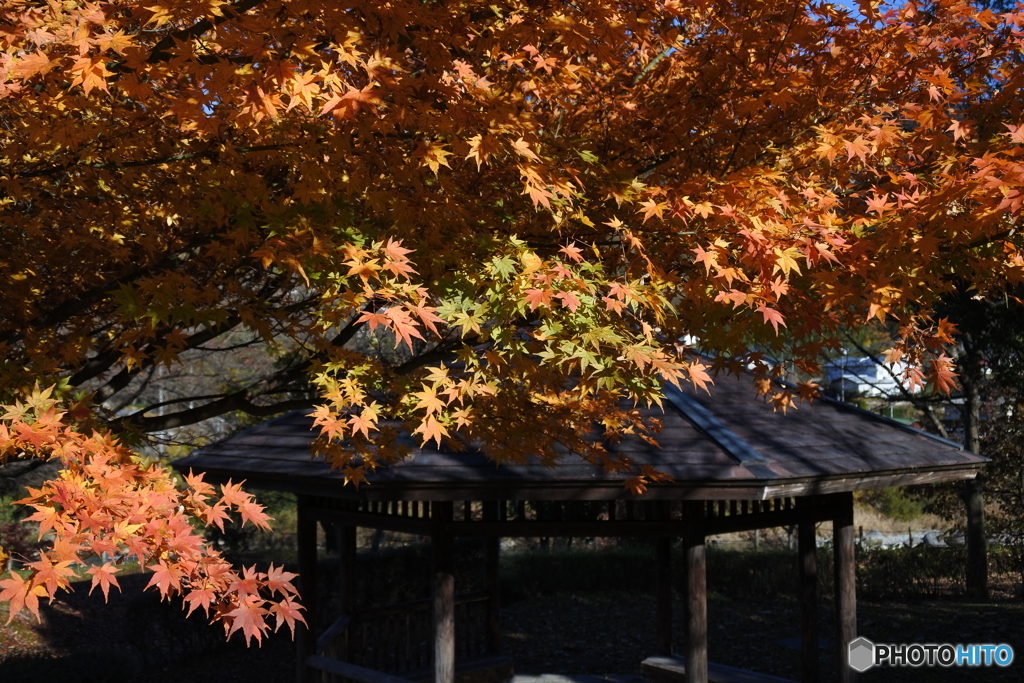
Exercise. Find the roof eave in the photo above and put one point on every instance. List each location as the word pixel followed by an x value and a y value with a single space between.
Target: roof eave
pixel 736 489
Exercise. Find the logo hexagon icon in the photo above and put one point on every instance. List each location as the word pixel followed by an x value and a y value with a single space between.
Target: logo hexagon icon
pixel 862 655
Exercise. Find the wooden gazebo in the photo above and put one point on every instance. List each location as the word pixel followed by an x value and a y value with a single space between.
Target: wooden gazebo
pixel 737 465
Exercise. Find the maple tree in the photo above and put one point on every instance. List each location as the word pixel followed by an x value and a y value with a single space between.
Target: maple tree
pixel 454 218
pixel 984 414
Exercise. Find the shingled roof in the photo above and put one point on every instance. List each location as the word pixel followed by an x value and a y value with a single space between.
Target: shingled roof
pixel 728 444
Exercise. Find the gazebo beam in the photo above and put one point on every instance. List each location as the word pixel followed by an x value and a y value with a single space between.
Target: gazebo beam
pixel 660 525
pixel 845 588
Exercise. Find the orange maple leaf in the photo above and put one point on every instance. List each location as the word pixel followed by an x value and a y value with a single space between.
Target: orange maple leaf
pixel 573 252
pixel 348 105
pixel 432 430
pixel 569 300
pixel 18 593
pixel 91 72
pixel 699 376
pixel 538 297
pixel 287 612
pixel 942 375
pixel 104 578
pixel 166 577
pixel 200 597
pixel 280 581
pixel 251 511
pixel 248 618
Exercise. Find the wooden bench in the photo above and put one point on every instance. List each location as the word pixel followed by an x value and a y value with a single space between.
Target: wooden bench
pixel 672 669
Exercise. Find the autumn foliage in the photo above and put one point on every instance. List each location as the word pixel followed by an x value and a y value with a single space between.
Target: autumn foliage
pixel 451 219
pixel 111 506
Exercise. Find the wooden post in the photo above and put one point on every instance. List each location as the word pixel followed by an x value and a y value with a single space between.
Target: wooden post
pixel 846 586
pixel 696 597
pixel 808 560
pixel 305 638
pixel 663 584
pixel 492 558
pixel 444 595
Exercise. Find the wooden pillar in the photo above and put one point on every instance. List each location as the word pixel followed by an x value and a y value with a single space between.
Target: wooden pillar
pixel 663 584
pixel 444 594
pixel 696 596
pixel 846 585
pixel 492 560
pixel 305 638
pixel 807 548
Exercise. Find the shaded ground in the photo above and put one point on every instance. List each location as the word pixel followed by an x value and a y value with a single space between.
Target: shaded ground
pixel 133 637
pixel 139 639
pixel 600 634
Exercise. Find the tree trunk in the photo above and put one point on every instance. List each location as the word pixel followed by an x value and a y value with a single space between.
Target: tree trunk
pixel 977 545
pixel 969 365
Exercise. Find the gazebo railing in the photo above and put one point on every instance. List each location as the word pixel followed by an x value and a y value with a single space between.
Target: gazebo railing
pixel 397 639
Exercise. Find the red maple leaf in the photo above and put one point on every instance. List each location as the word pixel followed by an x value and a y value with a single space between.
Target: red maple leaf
pixel 772 316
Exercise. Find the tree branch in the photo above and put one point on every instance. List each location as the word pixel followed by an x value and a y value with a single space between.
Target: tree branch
pixel 76 304
pixel 921 405
pixel 97 365
pixel 238 401
pixel 160 53
pixel 435 356
pixel 207 154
